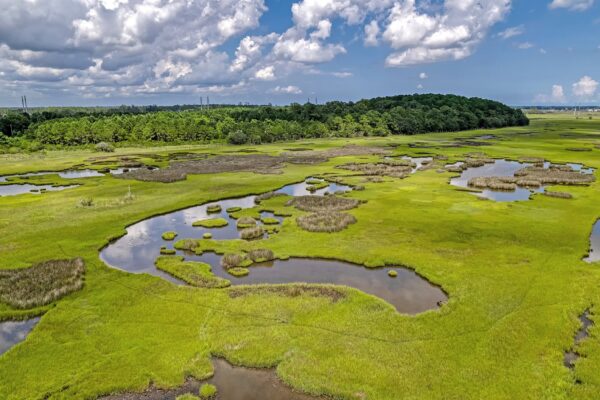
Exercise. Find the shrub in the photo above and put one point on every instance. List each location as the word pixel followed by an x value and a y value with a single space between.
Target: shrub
pixel 261 255
pixel 246 222
pixel 41 284
pixel 325 221
pixel 105 147
pixel 86 202
pixel 254 232
pixel 211 223
pixel 213 209
pixel 208 391
pixel 237 137
pixel 170 235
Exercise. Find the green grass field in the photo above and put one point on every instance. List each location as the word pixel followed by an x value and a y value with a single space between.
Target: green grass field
pixel 513 273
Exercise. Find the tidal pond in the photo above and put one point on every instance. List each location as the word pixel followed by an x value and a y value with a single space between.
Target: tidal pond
pixel 13 332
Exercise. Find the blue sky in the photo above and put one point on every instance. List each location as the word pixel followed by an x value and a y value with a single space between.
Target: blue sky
pixel 110 52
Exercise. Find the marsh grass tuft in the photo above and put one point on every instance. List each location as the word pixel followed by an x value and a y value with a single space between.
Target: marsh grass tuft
pixel 267 196
pixel 238 272
pixel 170 235
pixel 323 203
pixel 187 396
pixel 392 273
pixel 261 255
pixel 213 209
pixel 559 195
pixel 269 221
pixel 246 222
pixel 233 209
pixel 327 221
pixel 232 260
pixel 394 170
pixel 167 252
pixel 194 273
pixel 208 391
pixel 255 232
pixel 86 202
pixel 211 223
pixel 42 283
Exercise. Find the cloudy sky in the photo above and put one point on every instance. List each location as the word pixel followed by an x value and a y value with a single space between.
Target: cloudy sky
pixel 109 52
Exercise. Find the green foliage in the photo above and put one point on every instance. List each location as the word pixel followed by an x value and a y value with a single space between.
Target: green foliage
pixel 104 147
pixel 398 115
pixel 211 223
pixel 208 391
pixel 170 235
pixel 194 273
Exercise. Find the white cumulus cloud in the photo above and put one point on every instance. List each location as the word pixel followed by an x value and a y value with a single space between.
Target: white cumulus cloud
pixel 585 88
pixel 287 89
pixel 574 5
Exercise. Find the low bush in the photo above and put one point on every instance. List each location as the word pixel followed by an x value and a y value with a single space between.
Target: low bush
pixel 325 221
pixel 41 284
pixel 105 147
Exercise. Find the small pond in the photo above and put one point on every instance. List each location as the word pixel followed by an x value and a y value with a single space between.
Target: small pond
pixel 13 332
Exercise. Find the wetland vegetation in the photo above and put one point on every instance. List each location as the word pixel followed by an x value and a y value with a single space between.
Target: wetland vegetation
pixel 424 291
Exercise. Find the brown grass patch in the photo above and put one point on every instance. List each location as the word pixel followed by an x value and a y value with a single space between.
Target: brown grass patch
pixel 255 232
pixel 257 163
pixel 555 175
pixel 325 221
pixel 42 283
pixel 261 255
pixel 323 203
pixel 391 169
pixel 559 195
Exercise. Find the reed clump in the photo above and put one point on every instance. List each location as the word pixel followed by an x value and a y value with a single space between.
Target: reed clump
pixel 559 195
pixel 323 203
pixel 261 255
pixel 255 232
pixel 246 222
pixel 391 169
pixel 233 260
pixel 42 283
pixel 325 221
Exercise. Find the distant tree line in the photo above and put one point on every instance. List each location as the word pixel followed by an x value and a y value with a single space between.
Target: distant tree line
pixel 398 115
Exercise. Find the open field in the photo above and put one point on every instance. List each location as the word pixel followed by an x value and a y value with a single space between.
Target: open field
pixel 513 273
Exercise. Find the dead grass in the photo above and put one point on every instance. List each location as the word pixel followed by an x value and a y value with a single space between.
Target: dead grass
pixel 233 260
pixel 379 169
pixel 42 283
pixel 255 232
pixel 246 222
pixel 257 163
pixel 325 221
pixel 323 203
pixel 555 175
pixel 261 255
pixel 494 183
pixel 560 195
pixel 296 290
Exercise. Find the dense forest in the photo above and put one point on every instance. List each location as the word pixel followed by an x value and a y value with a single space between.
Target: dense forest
pixel 398 115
